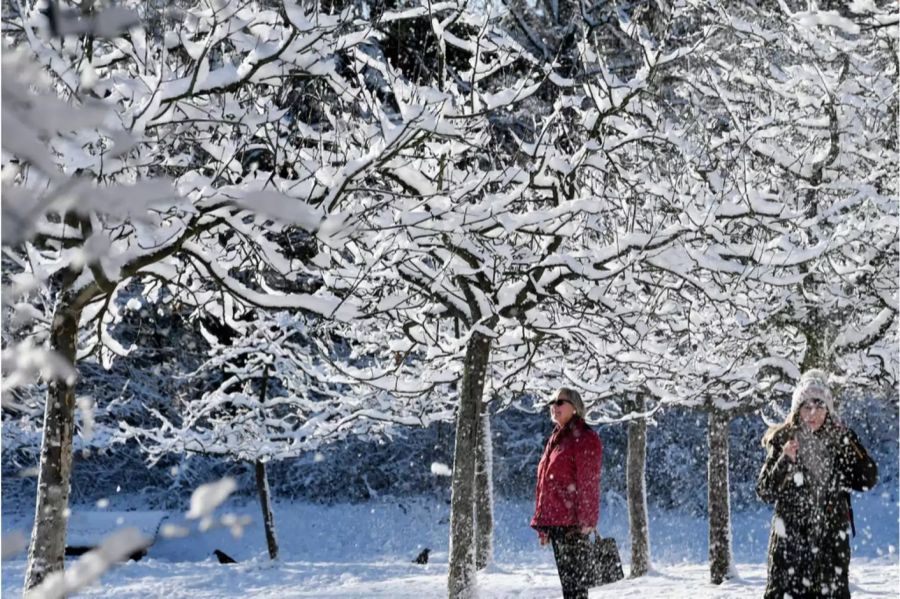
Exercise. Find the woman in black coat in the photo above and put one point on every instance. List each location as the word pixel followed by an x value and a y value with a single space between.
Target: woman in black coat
pixel 812 462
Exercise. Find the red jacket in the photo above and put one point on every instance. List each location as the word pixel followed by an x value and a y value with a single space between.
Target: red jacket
pixel 568 480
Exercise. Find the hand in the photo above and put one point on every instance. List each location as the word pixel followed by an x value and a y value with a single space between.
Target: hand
pixel 791 448
pixel 586 530
pixel 544 538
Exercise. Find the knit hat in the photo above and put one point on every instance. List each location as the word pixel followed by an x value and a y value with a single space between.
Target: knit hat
pixel 813 385
pixel 574 398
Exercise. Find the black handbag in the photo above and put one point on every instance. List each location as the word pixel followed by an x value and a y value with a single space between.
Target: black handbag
pixel 607 565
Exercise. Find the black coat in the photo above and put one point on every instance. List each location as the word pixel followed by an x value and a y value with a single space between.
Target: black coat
pixel 809 546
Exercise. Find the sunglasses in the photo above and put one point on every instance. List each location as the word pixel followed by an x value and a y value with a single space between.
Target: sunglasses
pixel 814 404
pixel 559 402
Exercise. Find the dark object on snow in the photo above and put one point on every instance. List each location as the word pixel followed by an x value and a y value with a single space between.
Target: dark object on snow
pixel 422 558
pixel 137 555
pixel 74 550
pixel 224 558
pixel 607 566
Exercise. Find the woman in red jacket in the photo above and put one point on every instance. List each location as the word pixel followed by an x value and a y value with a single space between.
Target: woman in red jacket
pixel 567 504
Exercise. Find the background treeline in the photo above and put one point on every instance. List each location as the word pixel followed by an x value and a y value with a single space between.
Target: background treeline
pixel 357 470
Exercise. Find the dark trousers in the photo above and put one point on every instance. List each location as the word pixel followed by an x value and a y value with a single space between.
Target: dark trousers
pixel 572 551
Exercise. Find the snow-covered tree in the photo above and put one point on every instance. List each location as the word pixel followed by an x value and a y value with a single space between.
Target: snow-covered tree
pixel 481 251
pixel 664 204
pixel 791 165
pixel 787 196
pixel 165 182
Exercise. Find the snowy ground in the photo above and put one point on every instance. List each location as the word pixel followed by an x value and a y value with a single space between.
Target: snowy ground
pixel 385 580
pixel 365 551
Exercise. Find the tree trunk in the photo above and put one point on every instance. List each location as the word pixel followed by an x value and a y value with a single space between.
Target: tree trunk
pixel 718 498
pixel 637 494
pixel 484 494
pixel 46 553
pixel 461 578
pixel 262 484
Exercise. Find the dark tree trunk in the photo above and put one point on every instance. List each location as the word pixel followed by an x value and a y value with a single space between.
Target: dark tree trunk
pixel 262 486
pixel 265 502
pixel 718 498
pixel 461 578
pixel 484 491
pixel 637 494
pixel 46 553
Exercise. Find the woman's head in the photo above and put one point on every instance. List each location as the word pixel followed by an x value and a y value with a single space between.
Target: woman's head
pixel 812 401
pixel 565 404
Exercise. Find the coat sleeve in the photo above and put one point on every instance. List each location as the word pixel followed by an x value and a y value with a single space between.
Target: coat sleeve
pixel 858 469
pixel 539 485
pixel 770 485
pixel 588 461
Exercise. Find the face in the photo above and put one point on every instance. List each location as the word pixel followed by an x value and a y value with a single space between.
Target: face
pixel 561 410
pixel 812 414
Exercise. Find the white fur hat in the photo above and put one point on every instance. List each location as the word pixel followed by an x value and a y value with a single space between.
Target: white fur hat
pixel 813 385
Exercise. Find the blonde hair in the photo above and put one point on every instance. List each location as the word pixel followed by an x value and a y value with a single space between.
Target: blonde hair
pixel 792 420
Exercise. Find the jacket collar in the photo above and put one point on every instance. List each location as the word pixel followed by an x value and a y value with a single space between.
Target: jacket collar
pixel 573 426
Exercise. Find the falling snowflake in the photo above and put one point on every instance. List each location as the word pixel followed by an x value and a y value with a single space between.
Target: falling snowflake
pixel 439 469
pixel 779 528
